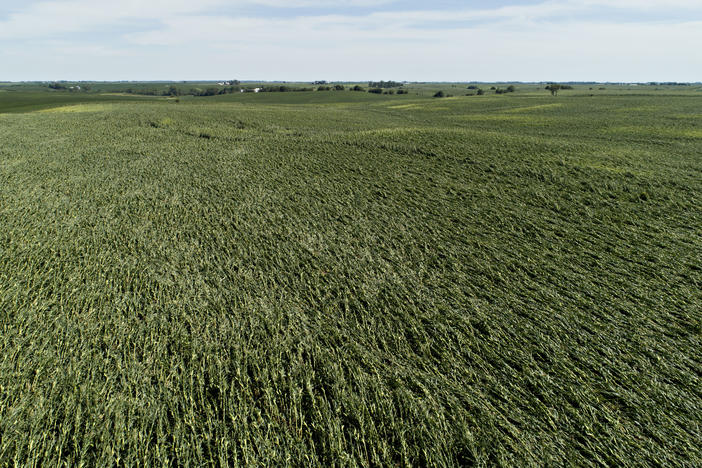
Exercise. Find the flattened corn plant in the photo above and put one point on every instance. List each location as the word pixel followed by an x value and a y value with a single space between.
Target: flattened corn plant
pixel 397 281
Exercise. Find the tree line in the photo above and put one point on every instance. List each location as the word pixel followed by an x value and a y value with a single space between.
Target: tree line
pixel 384 84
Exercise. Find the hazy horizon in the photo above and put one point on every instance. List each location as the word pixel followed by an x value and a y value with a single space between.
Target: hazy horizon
pixel 217 80
pixel 305 40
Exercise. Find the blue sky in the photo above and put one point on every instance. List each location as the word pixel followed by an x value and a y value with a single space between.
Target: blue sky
pixel 443 40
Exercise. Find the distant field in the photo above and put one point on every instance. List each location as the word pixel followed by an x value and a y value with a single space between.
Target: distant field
pixel 22 102
pixel 341 279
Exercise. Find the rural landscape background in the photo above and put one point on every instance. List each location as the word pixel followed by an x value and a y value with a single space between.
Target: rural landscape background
pixel 370 233
pixel 339 278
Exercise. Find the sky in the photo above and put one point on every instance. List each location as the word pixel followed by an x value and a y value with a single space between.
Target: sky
pixel 352 40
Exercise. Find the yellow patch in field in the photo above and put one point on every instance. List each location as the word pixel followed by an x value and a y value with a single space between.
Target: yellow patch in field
pixel 694 133
pixel 134 95
pixel 406 106
pixel 628 129
pixel 76 109
pixel 414 130
pixel 505 118
pixel 638 109
pixel 380 131
pixel 660 131
pixel 424 106
pixel 687 116
pixel 534 108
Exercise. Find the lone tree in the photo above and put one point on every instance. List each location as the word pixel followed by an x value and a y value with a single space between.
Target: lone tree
pixel 553 87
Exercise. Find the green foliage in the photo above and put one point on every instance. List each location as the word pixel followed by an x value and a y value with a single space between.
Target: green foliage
pixel 555 87
pixel 32 101
pixel 276 89
pixel 376 91
pixel 384 84
pixel 439 94
pixel 361 281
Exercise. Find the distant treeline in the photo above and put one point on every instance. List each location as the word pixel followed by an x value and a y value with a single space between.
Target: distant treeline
pixel 175 91
pixel 384 84
pixel 62 86
pixel 233 86
pixel 509 89
pixel 212 91
pixel 389 91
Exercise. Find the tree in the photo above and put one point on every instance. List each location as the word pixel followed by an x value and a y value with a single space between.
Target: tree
pixel 384 84
pixel 554 87
pixel 439 94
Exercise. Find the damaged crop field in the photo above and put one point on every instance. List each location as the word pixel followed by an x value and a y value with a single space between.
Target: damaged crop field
pixel 381 281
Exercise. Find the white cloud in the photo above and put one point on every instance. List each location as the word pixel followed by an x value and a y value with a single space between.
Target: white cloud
pixel 318 3
pixel 338 48
pixel 69 16
pixel 49 18
pixel 549 40
pixel 643 4
pixel 65 16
